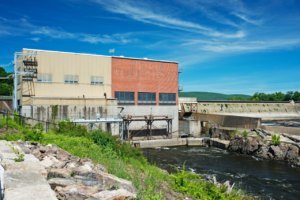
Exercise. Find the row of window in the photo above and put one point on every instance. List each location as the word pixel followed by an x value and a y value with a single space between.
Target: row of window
pixel 146 98
pixel 69 79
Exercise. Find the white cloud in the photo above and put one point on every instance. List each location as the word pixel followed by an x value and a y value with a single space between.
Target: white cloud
pixel 35 39
pixel 247 19
pixel 24 27
pixel 138 11
pixel 248 46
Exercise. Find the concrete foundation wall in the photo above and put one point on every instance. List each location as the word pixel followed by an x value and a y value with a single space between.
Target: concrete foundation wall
pixel 192 127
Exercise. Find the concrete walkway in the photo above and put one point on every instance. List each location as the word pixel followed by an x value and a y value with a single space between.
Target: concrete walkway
pixel 23 180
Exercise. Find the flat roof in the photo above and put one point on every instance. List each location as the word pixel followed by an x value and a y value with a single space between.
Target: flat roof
pixel 87 54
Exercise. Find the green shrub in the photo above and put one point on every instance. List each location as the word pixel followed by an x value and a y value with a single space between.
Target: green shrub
pixel 72 129
pixel 245 134
pixel 276 139
pixel 123 150
pixel 33 135
pixel 39 126
pixel 195 186
pixel 234 133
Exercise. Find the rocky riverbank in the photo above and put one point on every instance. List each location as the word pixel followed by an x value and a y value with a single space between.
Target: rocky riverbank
pixel 262 144
pixel 266 150
pixel 71 177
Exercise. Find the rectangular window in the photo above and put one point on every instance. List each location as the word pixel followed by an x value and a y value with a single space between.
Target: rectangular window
pixel 146 98
pixel 44 78
pixel 71 79
pixel 125 97
pixel 96 80
pixel 167 98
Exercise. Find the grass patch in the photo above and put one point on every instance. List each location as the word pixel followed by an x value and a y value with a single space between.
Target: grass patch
pixel 275 139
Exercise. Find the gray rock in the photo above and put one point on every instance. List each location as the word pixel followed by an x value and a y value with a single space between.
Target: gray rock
pixel 113 194
pixel 61 182
pixel 292 153
pixel 50 161
pixel 75 192
pixel 71 165
pixel 42 149
pixel 59 173
pixel 88 181
pixel 110 180
pixel 277 152
pixel 236 145
pixel 251 146
pixel 62 155
pixel 263 152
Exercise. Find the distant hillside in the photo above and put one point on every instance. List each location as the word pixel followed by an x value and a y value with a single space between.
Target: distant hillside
pixel 204 96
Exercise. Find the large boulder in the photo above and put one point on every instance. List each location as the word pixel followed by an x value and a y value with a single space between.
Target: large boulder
pixel 59 173
pixel 110 181
pixel 292 154
pixel 75 192
pixel 113 195
pixel 277 152
pixel 237 145
pixel 251 145
pixel 60 182
pixel 50 161
pixel 263 152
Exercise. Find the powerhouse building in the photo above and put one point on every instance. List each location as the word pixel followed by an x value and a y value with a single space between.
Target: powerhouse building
pixel 52 85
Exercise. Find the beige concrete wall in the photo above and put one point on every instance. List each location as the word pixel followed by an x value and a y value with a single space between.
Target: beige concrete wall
pixel 41 108
pixel 60 64
pixel 190 127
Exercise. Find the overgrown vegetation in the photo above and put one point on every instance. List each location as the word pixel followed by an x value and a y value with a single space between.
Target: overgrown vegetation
pixel 123 161
pixel 20 156
pixel 238 133
pixel 276 139
pixel 196 187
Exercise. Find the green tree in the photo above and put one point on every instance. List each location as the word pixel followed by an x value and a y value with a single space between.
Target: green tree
pixel 6 85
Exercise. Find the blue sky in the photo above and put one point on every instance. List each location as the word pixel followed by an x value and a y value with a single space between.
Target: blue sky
pixel 227 46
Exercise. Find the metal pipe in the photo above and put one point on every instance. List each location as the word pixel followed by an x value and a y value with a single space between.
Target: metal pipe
pixel 15 83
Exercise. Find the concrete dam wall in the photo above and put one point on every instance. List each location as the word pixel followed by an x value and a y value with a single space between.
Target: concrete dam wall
pixel 249 108
pixel 235 114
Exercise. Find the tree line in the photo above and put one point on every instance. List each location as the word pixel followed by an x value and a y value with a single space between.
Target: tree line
pixel 277 96
pixel 6 85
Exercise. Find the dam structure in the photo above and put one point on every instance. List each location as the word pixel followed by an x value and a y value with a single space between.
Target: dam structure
pixel 195 116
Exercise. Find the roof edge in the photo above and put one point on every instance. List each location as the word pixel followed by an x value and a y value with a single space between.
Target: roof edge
pixel 90 54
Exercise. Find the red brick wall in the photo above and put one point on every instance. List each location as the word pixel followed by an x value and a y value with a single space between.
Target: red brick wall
pixel 144 76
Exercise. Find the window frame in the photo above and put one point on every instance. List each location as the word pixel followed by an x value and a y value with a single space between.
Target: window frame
pixel 146 98
pixel 71 79
pixel 44 78
pixel 167 98
pixel 96 80
pixel 125 97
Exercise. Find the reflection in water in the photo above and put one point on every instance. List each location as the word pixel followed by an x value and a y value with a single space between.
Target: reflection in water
pixel 268 179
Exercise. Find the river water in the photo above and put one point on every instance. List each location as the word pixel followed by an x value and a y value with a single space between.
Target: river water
pixel 264 178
